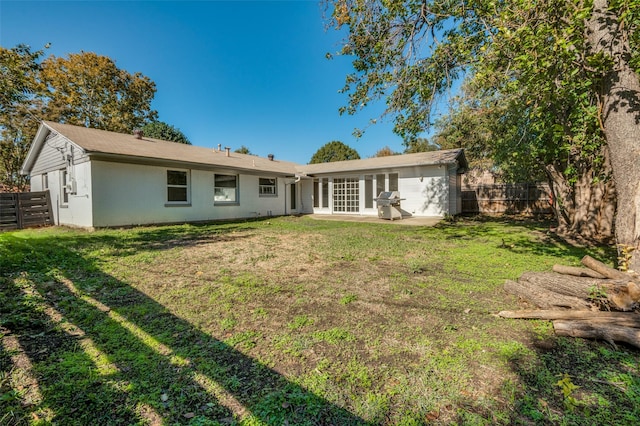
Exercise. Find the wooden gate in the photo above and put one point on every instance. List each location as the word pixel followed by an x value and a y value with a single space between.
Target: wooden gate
pixel 20 210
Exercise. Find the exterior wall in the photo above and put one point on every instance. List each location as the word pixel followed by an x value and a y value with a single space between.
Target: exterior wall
pixel 129 194
pixel 425 191
pixel 53 155
pixel 77 210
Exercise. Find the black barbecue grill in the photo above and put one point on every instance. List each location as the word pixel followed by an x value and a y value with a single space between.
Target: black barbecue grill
pixel 388 203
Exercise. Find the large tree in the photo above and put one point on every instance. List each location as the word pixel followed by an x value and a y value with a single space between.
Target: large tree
pixel 165 132
pixel 84 89
pixel 565 70
pixel 334 151
pixel 89 90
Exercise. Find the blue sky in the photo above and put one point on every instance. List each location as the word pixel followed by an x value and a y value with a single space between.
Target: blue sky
pixel 250 73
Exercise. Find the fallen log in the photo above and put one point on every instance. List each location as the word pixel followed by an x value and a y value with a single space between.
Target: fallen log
pixel 567 284
pixel 543 298
pixel 601 317
pixel 616 293
pixel 603 269
pixel 577 271
pixel 589 330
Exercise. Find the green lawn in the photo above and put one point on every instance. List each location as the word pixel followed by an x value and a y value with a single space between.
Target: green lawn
pixel 295 321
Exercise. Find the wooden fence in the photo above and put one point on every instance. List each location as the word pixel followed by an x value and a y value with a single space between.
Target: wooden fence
pixel 20 210
pixel 507 198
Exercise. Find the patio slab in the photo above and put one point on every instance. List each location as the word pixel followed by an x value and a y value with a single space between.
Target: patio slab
pixel 409 221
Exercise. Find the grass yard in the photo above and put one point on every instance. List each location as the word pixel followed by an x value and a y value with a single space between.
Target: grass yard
pixel 295 321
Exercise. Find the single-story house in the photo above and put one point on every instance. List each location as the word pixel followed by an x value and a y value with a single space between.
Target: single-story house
pixel 98 178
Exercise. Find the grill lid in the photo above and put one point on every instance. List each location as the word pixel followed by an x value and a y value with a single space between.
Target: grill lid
pixel 389 195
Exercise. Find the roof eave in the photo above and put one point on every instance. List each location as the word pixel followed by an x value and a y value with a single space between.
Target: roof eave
pixel 36 146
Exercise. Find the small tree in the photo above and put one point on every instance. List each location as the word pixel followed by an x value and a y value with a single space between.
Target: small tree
pixel 385 152
pixel 419 145
pixel 334 151
pixel 164 131
pixel 243 150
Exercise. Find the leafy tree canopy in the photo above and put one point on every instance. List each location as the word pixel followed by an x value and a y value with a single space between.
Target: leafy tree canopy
pixel 334 151
pixel 419 145
pixel 89 90
pixel 164 131
pixel 385 152
pixel 243 150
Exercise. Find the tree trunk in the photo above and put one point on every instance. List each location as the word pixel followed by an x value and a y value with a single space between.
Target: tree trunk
pixel 577 271
pixel 592 330
pixel 543 298
pixel 624 319
pixel 585 209
pixel 620 109
pixel 596 265
pixel 568 285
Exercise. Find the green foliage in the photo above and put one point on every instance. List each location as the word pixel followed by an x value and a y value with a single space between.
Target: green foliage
pixel 334 151
pixel 243 150
pixel 385 152
pixel 20 108
pixel 165 132
pixel 568 388
pixel 419 145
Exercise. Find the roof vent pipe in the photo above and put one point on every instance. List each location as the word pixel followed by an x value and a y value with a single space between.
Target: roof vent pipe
pixel 138 133
pixel 219 147
pixel 227 150
pixel 270 157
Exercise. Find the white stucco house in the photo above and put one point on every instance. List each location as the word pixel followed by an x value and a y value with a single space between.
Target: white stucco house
pixel 98 178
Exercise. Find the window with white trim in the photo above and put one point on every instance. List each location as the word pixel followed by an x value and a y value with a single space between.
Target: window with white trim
pixel 268 187
pixel 64 180
pixel 368 191
pixel 177 187
pixel 393 181
pixel 225 189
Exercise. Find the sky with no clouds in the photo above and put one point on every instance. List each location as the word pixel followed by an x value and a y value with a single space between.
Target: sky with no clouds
pixel 234 73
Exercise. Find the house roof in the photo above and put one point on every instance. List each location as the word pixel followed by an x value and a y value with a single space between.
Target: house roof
pixel 448 156
pixel 126 147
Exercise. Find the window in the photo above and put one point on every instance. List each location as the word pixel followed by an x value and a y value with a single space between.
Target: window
pixel 225 189
pixel 316 193
pixel 368 191
pixel 177 187
pixel 393 181
pixel 379 184
pixel 268 187
pixel 293 196
pixel 346 195
pixel 45 181
pixel 325 192
pixel 64 180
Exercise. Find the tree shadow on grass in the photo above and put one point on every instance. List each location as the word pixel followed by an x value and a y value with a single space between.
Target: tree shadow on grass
pixel 119 357
pixel 541 241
